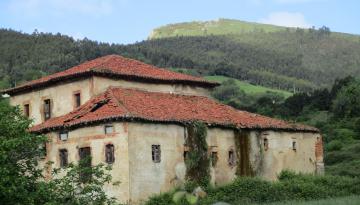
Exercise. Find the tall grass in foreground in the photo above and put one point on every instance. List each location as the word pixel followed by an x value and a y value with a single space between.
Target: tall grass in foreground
pixel 349 200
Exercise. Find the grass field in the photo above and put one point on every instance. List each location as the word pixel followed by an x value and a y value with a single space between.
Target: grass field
pixel 249 88
pixel 350 200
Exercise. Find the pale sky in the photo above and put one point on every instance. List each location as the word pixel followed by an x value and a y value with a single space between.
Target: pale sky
pixel 128 21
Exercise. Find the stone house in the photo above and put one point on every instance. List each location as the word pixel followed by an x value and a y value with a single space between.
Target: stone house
pixel 133 115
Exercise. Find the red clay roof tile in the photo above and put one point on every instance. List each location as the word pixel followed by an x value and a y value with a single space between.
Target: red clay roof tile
pixel 132 104
pixel 118 66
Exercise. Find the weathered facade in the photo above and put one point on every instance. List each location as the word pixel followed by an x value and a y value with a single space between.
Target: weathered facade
pixel 134 116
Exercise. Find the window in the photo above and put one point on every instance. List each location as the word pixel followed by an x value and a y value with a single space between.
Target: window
pixel 77 100
pixel 214 158
pixel 63 154
pixel 27 110
pixel 156 153
pixel 185 154
pixel 64 135
pixel 294 145
pixel 231 158
pixel 85 162
pixel 109 154
pixel 109 129
pixel 266 144
pixel 47 109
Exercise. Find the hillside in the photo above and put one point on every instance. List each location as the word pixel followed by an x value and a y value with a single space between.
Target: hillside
pixel 272 56
pixel 217 27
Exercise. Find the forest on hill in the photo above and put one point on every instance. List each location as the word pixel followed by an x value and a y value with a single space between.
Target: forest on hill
pixel 286 59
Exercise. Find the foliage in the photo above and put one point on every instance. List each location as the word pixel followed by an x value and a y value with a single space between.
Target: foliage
pixel 21 175
pixel 197 160
pixel 19 155
pixel 290 186
pixel 347 101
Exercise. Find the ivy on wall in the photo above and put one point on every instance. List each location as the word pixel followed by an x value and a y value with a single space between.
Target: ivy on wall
pixel 242 148
pixel 197 161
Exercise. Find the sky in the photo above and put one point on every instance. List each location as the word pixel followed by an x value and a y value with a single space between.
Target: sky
pixel 129 21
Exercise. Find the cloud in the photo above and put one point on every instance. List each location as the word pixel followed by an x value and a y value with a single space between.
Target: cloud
pixel 36 7
pixel 286 19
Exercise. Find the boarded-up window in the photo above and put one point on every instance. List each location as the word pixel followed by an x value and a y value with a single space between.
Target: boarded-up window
pixel 231 158
pixel 27 110
pixel 63 155
pixel 77 100
pixel 109 154
pixel 109 129
pixel 47 109
pixel 85 164
pixel 156 153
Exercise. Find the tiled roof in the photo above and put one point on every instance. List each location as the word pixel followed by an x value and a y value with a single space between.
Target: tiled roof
pixel 138 105
pixel 118 67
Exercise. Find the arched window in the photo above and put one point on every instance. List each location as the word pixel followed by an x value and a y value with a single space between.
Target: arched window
pixel 109 153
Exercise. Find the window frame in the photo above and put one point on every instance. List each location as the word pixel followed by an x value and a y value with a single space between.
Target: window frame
pixel 108 126
pixel 156 153
pixel 26 109
pixel 109 149
pixel 63 132
pixel 76 99
pixel 47 109
pixel 63 158
pixel 231 157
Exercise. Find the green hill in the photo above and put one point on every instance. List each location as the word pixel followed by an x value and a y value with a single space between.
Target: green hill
pixel 271 56
pixel 217 27
pixel 249 88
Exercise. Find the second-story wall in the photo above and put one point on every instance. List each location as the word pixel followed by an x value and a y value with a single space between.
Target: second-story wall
pixel 61 97
pixel 101 84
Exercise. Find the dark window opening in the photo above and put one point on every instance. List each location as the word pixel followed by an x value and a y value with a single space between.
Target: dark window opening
pixel 231 158
pixel 294 145
pixel 185 155
pixel 47 109
pixel 266 144
pixel 156 153
pixel 27 110
pixel 64 135
pixel 77 99
pixel 109 154
pixel 85 164
pixel 63 154
pixel 109 129
pixel 214 158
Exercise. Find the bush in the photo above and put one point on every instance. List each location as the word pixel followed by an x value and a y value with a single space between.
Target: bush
pixel 290 186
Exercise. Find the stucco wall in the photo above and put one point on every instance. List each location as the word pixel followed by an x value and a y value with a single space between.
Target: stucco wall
pixel 280 154
pixel 95 138
pixel 101 84
pixel 61 96
pixel 140 177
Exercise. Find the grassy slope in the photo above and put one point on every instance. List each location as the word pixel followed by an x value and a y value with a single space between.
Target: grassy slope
pixel 249 88
pixel 225 26
pixel 217 27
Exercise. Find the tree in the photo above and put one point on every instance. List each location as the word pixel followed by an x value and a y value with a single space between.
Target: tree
pixel 21 178
pixel 347 101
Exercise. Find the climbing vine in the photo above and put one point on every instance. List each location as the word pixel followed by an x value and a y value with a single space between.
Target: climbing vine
pixel 197 160
pixel 242 147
